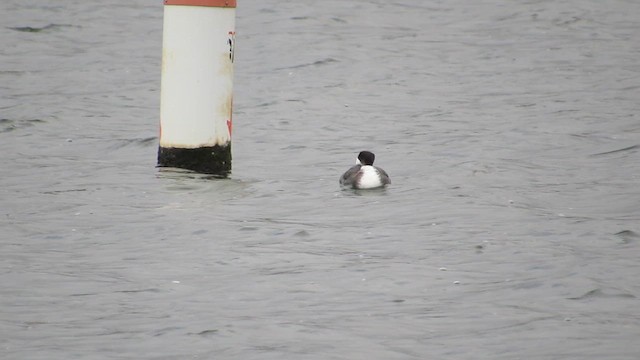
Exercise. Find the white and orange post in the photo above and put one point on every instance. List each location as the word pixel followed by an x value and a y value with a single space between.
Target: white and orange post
pixel 197 85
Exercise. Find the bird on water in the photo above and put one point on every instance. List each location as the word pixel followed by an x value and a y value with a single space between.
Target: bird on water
pixel 364 175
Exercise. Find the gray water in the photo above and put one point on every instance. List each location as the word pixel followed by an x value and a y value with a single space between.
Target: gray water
pixel 510 130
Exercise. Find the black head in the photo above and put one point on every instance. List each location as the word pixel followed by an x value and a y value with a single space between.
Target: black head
pixel 366 157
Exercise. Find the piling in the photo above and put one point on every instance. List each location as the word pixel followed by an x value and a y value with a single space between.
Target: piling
pixel 197 85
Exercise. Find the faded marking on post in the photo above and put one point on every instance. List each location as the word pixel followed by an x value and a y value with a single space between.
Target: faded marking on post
pixel 230 120
pixel 232 44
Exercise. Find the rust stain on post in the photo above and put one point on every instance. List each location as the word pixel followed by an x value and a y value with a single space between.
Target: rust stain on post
pixel 210 3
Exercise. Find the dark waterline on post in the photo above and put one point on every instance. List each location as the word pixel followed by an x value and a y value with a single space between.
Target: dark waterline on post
pixel 214 160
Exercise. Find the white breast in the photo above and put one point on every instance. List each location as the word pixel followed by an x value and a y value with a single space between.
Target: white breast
pixel 370 178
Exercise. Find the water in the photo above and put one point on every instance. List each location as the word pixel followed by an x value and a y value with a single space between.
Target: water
pixel 511 230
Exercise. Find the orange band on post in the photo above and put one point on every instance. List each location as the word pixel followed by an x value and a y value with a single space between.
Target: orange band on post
pixel 210 3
